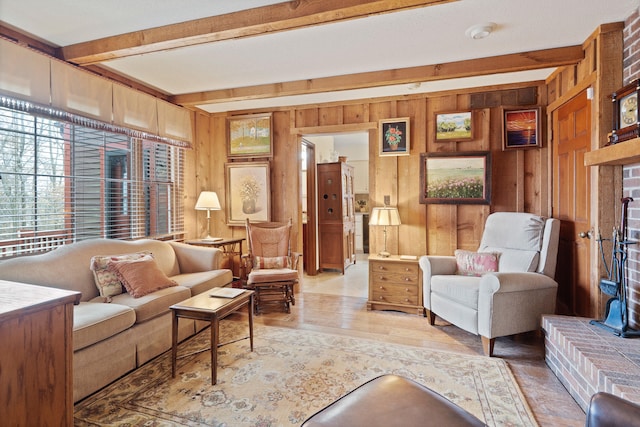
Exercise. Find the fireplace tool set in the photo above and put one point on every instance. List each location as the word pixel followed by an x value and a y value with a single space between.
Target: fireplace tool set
pixel 616 317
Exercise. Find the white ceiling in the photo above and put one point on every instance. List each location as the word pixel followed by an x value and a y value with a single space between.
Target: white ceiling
pixel 410 38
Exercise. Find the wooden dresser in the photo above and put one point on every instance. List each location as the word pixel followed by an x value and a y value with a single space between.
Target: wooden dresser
pixel 395 284
pixel 36 377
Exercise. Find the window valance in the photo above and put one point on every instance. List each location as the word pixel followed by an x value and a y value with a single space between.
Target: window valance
pixel 40 83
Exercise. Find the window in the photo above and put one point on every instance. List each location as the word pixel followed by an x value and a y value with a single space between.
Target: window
pixel 62 182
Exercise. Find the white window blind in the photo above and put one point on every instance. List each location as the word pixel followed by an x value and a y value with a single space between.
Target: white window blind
pixel 62 182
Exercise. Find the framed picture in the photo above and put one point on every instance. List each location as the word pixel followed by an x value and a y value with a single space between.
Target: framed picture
pixel 249 136
pixel 521 128
pixel 457 126
pixel 394 137
pixel 455 178
pixel 248 194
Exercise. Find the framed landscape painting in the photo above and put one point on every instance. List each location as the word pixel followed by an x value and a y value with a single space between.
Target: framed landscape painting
pixel 248 192
pixel 456 126
pixel 249 136
pixel 455 178
pixel 521 128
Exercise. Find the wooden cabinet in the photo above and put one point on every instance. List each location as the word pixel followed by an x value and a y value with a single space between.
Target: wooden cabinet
pixel 336 216
pixel 36 377
pixel 395 284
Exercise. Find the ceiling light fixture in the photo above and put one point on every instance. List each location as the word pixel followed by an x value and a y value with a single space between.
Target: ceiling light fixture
pixel 480 31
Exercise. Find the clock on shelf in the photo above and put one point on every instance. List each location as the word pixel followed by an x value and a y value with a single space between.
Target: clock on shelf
pixel 625 113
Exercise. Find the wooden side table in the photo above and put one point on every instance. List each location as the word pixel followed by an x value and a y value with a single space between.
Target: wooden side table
pixel 213 309
pixel 231 248
pixel 395 284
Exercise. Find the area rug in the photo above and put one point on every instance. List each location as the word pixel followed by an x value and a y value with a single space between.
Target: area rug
pixel 291 375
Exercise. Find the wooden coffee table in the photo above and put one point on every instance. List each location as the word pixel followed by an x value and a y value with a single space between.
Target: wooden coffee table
pixel 213 309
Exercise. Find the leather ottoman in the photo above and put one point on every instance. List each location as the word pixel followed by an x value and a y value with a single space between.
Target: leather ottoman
pixel 390 400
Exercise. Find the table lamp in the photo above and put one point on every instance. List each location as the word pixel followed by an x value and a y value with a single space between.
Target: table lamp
pixel 384 216
pixel 208 201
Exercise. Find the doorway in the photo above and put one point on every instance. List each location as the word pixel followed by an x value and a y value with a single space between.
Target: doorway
pixel 327 148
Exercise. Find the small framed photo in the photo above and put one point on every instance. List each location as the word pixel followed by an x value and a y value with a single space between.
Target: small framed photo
pixel 455 178
pixel 248 193
pixel 250 136
pixel 394 137
pixel 456 126
pixel 521 128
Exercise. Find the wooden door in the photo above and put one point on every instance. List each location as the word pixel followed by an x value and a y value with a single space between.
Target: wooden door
pixel 310 227
pixel 571 200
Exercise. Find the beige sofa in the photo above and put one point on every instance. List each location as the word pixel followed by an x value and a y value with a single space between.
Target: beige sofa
pixel 111 339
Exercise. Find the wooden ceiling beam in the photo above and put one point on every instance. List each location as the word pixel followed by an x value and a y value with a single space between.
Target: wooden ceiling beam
pixel 247 23
pixel 522 61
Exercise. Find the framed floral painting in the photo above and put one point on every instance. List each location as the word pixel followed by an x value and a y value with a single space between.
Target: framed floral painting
pixel 248 194
pixel 394 137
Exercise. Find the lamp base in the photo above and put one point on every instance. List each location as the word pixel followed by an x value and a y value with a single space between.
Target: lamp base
pixel 384 254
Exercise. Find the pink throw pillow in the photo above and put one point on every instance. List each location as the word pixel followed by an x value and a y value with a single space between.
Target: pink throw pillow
pixel 476 263
pixel 141 277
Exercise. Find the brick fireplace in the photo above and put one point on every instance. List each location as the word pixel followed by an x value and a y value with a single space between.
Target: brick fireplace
pixel 631 173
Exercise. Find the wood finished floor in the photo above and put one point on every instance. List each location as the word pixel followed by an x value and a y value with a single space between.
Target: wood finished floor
pixel 335 303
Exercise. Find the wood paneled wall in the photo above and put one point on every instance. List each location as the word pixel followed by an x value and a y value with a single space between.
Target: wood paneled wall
pixel 520 178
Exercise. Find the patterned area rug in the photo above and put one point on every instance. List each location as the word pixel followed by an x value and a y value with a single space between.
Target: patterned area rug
pixel 291 375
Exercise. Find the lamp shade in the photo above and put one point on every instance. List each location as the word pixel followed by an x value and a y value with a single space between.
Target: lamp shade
pixel 384 216
pixel 208 201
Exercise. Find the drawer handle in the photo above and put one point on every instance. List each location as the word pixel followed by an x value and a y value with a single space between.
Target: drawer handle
pixel 382 287
pixel 407 290
pixel 381 298
pixel 380 267
pixel 407 279
pixel 406 300
pixel 381 278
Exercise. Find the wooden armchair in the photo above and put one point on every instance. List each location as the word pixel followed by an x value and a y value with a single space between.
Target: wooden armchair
pixel 269 267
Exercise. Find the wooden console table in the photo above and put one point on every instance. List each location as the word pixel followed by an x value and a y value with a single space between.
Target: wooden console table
pixel 36 332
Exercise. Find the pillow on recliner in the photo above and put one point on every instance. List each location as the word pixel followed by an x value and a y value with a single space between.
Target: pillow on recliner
pixel 476 263
pixel 263 262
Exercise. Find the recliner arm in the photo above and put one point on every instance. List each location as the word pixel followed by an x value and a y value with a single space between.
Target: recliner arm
pixel 433 265
pixel 511 303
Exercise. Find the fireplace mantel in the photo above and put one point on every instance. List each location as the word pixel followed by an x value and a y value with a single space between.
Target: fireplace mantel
pixel 622 153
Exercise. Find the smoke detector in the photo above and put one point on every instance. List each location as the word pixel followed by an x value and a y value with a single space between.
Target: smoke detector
pixel 480 31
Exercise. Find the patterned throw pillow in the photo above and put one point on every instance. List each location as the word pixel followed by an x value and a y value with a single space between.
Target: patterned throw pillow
pixel 260 262
pixel 140 277
pixel 107 281
pixel 476 263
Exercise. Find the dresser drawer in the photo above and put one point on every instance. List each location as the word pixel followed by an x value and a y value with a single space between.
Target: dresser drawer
pixel 395 294
pixel 395 278
pixel 395 268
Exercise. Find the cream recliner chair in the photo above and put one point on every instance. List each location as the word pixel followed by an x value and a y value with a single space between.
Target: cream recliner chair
pixel 508 301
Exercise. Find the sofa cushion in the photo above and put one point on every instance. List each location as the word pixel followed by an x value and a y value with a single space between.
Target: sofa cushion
pixel 154 304
pixel 95 321
pixel 140 277
pixel 476 263
pixel 462 289
pixel 205 280
pixel 107 280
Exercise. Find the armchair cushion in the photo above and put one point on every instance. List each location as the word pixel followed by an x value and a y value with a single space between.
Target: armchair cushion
pixel 272 275
pixel 461 289
pixel 476 263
